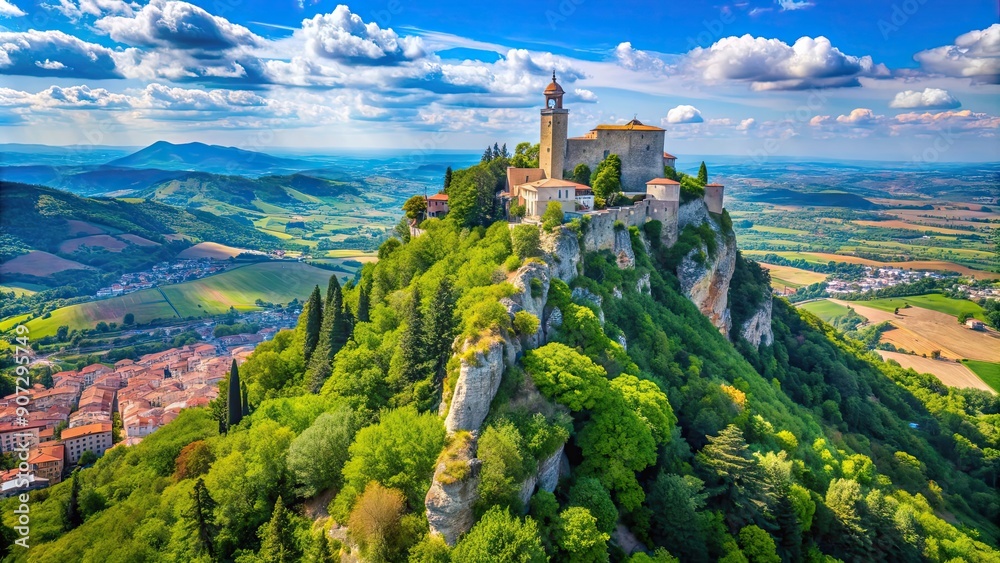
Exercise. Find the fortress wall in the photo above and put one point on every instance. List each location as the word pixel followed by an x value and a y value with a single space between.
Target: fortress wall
pixel 641 153
pixel 600 233
pixel 713 198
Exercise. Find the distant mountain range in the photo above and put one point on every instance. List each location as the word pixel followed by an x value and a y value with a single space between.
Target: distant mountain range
pixel 208 158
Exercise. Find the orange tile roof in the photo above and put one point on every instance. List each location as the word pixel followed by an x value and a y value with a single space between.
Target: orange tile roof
pixel 438 197
pixel 634 125
pixel 714 186
pixel 663 182
pixel 553 183
pixel 76 432
pixel 668 155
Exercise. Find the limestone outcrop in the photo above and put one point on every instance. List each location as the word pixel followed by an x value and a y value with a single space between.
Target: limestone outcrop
pixel 449 501
pixel 757 329
pixel 478 381
pixel 705 279
pixel 562 253
pixel 623 249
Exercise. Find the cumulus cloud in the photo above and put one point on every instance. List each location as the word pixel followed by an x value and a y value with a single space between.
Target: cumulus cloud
pixel 859 116
pixel 54 54
pixel 633 59
pixel 771 64
pixel 177 25
pixel 344 36
pixel 75 9
pixel 978 123
pixel 584 95
pixel 746 124
pixel 974 55
pixel 9 10
pixel 684 114
pixel 931 98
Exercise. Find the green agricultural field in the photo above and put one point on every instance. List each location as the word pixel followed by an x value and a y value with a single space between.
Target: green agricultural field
pixel 11 322
pixel 21 288
pixel 824 309
pixel 987 371
pixel 146 305
pixel 276 282
pixel 778 230
pixel 932 301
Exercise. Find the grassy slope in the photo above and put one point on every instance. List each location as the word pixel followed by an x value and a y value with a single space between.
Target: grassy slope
pixel 987 371
pixel 277 282
pixel 932 301
pixel 824 309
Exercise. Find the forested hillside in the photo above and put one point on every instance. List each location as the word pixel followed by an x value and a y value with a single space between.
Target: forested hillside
pixel 678 444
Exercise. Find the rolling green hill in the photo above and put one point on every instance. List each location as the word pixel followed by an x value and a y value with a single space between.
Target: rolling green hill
pixel 275 282
pixel 205 189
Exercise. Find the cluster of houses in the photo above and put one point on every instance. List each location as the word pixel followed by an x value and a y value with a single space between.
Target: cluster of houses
pixel 877 278
pixel 161 274
pixel 76 415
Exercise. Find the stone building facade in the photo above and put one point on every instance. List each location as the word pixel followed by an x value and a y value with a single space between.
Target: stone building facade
pixel 639 146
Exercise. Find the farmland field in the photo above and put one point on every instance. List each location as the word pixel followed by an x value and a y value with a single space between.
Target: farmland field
pixel 212 250
pixel 106 242
pixel 987 371
pixel 824 257
pixel 952 374
pixel 276 282
pixel 794 278
pixel 21 288
pixel 824 309
pixel 11 322
pixel 39 263
pixel 932 301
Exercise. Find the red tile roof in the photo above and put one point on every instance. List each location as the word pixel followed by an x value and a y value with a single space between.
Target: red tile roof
pixel 663 182
pixel 668 155
pixel 76 432
pixel 438 197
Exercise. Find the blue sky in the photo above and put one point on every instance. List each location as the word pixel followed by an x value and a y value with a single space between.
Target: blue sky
pixel 895 80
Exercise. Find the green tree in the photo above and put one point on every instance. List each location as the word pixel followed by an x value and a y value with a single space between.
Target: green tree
pixel 499 537
pixel 758 546
pixel 201 518
pixel 313 321
pixel 675 503
pixel 415 207
pixel 278 543
pixel 447 178
pixel 116 427
pixel 364 302
pixel 506 463
pixel 331 434
pixel 413 351
pixel 669 172
pixel 607 178
pixel 849 537
pixel 525 155
pixel 333 334
pixel 553 216
pixel 234 408
pixel 703 174
pixel 525 241
pixel 734 476
pixel 62 333
pixel 129 319
pixel 590 493
pixel 375 522
pixel 399 452
pixel 581 174
pixel 579 538
pixel 72 517
pixel 439 327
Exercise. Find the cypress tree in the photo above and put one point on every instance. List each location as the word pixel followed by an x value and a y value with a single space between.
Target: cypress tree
pixel 447 178
pixel 314 320
pixel 72 516
pixel 202 517
pixel 439 327
pixel 234 404
pixel 364 302
pixel 412 342
pixel 245 404
pixel 278 544
pixel 703 174
pixel 339 328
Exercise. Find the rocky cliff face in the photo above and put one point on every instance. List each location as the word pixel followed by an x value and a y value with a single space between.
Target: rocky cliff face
pixel 477 383
pixel 562 253
pixel 757 329
pixel 706 283
pixel 449 501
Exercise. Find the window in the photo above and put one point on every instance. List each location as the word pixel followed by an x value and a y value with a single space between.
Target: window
pixel 606 153
pixel 647 147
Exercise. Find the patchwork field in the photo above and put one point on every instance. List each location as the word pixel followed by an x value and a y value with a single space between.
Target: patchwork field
pixel 106 242
pixel 212 250
pixel 897 224
pixel 787 276
pixel 953 374
pixel 923 331
pixel 933 301
pixel 137 240
pixel 275 282
pixel 825 257
pixel 824 309
pixel 78 228
pixel 39 263
pixel 20 288
pixel 988 372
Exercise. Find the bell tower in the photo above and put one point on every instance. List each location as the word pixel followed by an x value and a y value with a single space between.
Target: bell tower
pixel 555 124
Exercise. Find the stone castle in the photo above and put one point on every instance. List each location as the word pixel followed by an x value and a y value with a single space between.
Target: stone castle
pixel 640 148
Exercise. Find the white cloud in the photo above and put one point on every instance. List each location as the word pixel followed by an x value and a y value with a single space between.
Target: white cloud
pixel 684 114
pixel 75 9
pixel 789 5
pixel 584 95
pixel 55 54
pixel 771 64
pixel 931 98
pixel 859 116
pixel 977 123
pixel 974 55
pixel 9 10
pixel 634 59
pixel 344 36
pixel 177 25
pixel 747 124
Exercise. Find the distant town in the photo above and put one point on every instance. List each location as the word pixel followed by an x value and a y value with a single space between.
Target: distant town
pixel 877 278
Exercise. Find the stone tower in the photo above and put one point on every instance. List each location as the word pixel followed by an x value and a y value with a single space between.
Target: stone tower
pixel 555 123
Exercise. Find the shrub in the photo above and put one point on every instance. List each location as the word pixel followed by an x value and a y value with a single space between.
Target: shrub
pixel 525 239
pixel 525 323
pixel 553 216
